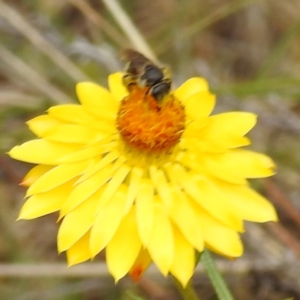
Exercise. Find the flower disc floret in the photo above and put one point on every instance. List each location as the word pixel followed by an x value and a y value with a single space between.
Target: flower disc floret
pixel 148 125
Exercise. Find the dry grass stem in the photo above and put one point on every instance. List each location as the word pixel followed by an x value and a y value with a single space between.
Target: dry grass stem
pixel 218 14
pixel 131 31
pixel 36 38
pixel 32 77
pixel 100 270
pixel 91 14
pixel 9 97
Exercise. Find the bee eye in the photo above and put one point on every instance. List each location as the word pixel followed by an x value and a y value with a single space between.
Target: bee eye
pixel 152 75
pixel 160 90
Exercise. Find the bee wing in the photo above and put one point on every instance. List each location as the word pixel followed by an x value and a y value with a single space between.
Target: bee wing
pixel 136 61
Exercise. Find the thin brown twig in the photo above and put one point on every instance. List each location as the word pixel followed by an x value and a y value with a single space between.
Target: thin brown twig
pixel 285 237
pixel 280 199
pixel 37 39
pixel 8 171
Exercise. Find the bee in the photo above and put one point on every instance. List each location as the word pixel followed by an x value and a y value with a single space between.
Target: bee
pixel 143 72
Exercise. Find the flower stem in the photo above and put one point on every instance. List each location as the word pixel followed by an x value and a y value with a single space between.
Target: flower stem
pixel 215 277
pixel 187 293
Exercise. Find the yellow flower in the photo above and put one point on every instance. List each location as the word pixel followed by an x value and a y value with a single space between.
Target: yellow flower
pixel 148 181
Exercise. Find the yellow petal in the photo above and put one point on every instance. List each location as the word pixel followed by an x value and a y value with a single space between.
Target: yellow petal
pixel 42 152
pixel 237 165
pixel 133 187
pixel 145 211
pixel 218 237
pixel 45 203
pixel 35 173
pixel 120 161
pixel 184 259
pixel 184 217
pixel 76 223
pixel 206 195
pixel 192 160
pixel 86 189
pixel 70 113
pixel 122 251
pixel 140 265
pixel 219 133
pixel 199 105
pixel 211 144
pixel 88 152
pixel 104 116
pixel 72 133
pixel 161 185
pixel 97 100
pixel 247 203
pixel 215 203
pixel 76 114
pixel 161 242
pixel 56 176
pixel 193 128
pixel 113 185
pixel 98 165
pixel 116 86
pixel 196 144
pixel 42 124
pixel 79 252
pixel 107 222
pixel 226 131
pixel 236 123
pixel 190 87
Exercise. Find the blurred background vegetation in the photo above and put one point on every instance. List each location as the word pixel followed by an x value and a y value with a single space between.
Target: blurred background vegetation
pixel 249 52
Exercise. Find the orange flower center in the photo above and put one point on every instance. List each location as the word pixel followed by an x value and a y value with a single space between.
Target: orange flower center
pixel 148 124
